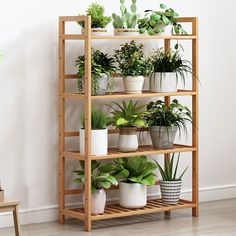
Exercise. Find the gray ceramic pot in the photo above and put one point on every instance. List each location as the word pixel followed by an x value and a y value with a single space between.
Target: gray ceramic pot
pixel 162 137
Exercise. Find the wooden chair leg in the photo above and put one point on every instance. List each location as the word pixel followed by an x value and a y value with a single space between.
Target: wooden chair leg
pixel 16 221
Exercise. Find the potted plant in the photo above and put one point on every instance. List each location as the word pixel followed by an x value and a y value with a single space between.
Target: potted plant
pixel 125 24
pixel 127 117
pixel 160 21
pixel 167 68
pixel 99 133
pixel 102 68
pixel 100 179
pixel 170 184
pixel 164 121
pixel 134 175
pixel 99 20
pixel 133 65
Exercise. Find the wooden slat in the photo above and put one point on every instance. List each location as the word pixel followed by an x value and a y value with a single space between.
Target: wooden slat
pixel 73 37
pixel 72 18
pixel 73 213
pixel 73 96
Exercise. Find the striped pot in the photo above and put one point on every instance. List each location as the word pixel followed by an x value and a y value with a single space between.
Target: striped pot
pixel 170 191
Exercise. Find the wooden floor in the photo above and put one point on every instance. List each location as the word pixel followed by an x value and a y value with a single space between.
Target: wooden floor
pixel 217 218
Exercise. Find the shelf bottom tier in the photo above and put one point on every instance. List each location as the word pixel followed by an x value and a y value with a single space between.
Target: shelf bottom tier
pixel 116 211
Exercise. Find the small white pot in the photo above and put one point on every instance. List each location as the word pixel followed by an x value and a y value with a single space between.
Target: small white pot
pixel 170 191
pixel 98 201
pixel 163 82
pixel 125 32
pixel 133 84
pixel 128 139
pixel 133 195
pixel 97 32
pixel 167 32
pixel 99 142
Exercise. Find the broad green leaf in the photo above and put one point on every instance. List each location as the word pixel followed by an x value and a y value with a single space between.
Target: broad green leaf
pixel 121 121
pixel 155 17
pixel 149 180
pixel 139 122
pixel 163 6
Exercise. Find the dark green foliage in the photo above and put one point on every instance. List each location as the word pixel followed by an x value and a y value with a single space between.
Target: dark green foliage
pixel 135 170
pixel 126 115
pixel 99 20
pixel 98 119
pixel 101 175
pixel 169 173
pixel 131 60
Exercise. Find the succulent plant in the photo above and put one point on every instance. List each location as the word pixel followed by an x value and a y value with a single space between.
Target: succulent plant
pixel 126 20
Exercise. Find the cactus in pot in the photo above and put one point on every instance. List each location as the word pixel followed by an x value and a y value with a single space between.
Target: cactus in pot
pixel 127 21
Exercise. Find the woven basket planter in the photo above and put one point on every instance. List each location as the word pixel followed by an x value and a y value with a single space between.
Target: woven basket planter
pixel 170 191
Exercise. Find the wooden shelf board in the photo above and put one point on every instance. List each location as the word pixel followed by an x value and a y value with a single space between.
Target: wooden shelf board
pixel 116 211
pixel 143 150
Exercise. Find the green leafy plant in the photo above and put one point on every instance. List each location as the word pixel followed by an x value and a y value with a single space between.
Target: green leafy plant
pixel 155 22
pixel 174 115
pixel 135 170
pixel 126 115
pixel 101 64
pixel 126 20
pixel 131 60
pixel 98 119
pixel 99 20
pixel 165 61
pixel 101 175
pixel 169 173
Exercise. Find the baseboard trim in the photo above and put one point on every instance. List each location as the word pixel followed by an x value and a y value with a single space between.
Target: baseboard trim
pixel 49 213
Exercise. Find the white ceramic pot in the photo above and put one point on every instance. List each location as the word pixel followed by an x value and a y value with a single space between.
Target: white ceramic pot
pixel 99 142
pixel 125 32
pixel 133 84
pixel 167 32
pixel 170 191
pixel 133 195
pixel 98 201
pixel 128 139
pixel 97 31
pixel 163 82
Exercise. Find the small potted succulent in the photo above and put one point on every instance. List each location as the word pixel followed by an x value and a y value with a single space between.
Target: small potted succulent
pixel 164 121
pixel 168 67
pixel 102 68
pixel 133 66
pixel 1 193
pixel 134 175
pixel 160 22
pixel 170 184
pixel 125 24
pixel 99 133
pixel 101 179
pixel 99 20
pixel 127 117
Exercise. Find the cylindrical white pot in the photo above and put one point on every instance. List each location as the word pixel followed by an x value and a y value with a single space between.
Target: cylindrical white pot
pixel 133 84
pixel 133 195
pixel 167 32
pixel 98 201
pixel 163 82
pixel 128 139
pixel 125 32
pixel 170 191
pixel 99 142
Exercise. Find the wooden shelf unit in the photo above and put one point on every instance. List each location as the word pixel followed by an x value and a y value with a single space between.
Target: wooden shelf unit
pixel 114 210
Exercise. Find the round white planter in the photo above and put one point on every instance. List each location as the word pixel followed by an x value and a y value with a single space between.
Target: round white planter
pixel 125 32
pixel 161 137
pixel 99 142
pixel 128 139
pixel 133 195
pixel 133 84
pixel 98 201
pixel 170 191
pixel 163 82
pixel 167 32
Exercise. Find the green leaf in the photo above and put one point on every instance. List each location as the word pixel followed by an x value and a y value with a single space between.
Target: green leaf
pixel 142 30
pixel 139 122
pixel 155 17
pixel 121 121
pixel 163 6
pixel 150 31
pixel 165 20
pixel 105 184
pixel 149 180
pixel 133 8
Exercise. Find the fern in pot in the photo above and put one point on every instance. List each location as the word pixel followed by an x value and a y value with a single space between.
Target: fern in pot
pixel 133 66
pixel 164 121
pixel 170 184
pixel 99 133
pixel 125 24
pixel 103 66
pixel 101 179
pixel 134 175
pixel 127 117
pixel 168 67
pixel 98 19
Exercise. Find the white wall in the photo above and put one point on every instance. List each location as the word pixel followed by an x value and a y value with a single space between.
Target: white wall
pixel 28 95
